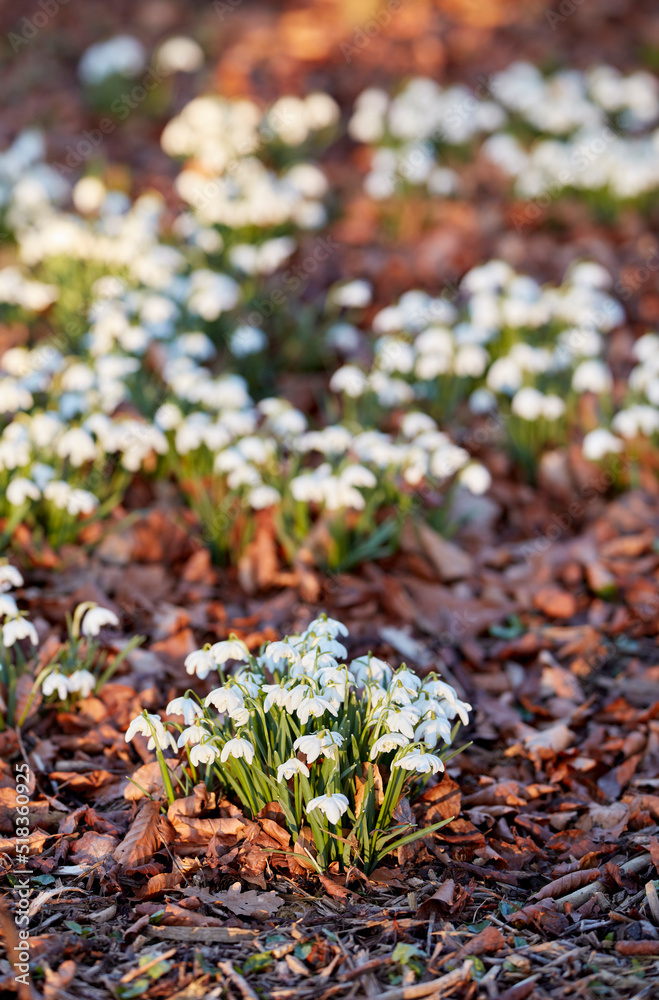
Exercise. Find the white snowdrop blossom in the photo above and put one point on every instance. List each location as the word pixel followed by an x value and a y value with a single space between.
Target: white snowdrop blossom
pixel 228 649
pixel 599 443
pixel 97 618
pixel 314 706
pixel 82 682
pixel 421 762
pixel 390 741
pixel 290 768
pixel 15 629
pixel 9 577
pixel 194 733
pixel 333 806
pixel 187 707
pixel 152 727
pixel 55 683
pixel 237 748
pixel 204 753
pixel 200 662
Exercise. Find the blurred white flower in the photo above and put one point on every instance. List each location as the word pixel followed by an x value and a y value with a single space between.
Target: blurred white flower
pixel 179 54
pixel 119 56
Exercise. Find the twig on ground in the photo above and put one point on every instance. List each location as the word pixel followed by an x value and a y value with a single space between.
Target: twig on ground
pixel 228 971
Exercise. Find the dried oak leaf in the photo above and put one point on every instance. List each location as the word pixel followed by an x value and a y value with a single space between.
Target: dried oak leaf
pixel 162 882
pixel 250 903
pixel 440 901
pixel 488 940
pixel 143 837
pixel 567 883
pixel 443 800
pixel 149 778
pixel 335 888
pixel 93 847
pixel 177 916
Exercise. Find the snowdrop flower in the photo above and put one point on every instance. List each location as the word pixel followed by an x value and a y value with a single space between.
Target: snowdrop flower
pixel 326 743
pixel 349 379
pixel 314 706
pixel 421 762
pixel 204 753
pixel 76 445
pixel 276 694
pixel 277 651
pixel 82 682
pixel 599 443
pixel 96 618
pixel 9 577
pixel 227 699
pixel 18 628
pixel 200 662
pixel 262 497
pixel 436 688
pixel 246 340
pixel 527 403
pixel 237 748
pixel 20 490
pixel 212 294
pixel 55 682
pixel 187 707
pixel 325 626
pixel 353 295
pixel 470 361
pixel 592 376
pixel 401 721
pixel 179 55
pixel 8 606
pixel 390 741
pixel 326 644
pixel 476 478
pixel 120 56
pixel 152 727
pixel 333 806
pixel 431 729
pixel 194 733
pixel 229 649
pixel 646 348
pixel 291 767
pixel 331 743
pixel 504 376
pixel 553 407
pixel 80 502
pixel 89 194
pixel 406 680
pixel 482 401
pixel 370 670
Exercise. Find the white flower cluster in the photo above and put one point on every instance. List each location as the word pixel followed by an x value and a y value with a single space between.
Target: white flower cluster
pixel 594 130
pixel 144 387
pixel 298 703
pixel 88 619
pixel 15 625
pixel 506 342
pixel 225 180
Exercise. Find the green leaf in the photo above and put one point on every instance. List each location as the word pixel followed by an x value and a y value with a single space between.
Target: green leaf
pixel 257 963
pixel 134 989
pixel 404 953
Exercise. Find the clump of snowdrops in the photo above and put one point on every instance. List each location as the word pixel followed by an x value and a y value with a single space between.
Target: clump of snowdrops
pixel 79 668
pixel 335 745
